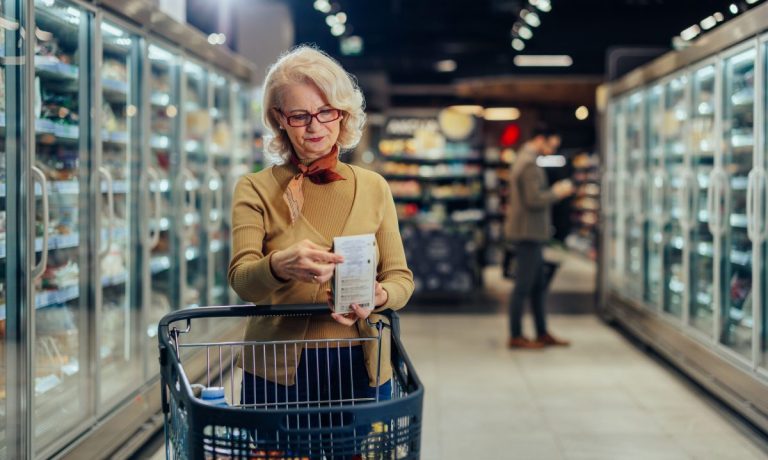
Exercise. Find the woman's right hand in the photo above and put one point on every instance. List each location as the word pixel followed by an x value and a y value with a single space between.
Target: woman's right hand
pixel 305 261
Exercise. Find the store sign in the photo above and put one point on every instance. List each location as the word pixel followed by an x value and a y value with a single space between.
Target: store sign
pixel 409 126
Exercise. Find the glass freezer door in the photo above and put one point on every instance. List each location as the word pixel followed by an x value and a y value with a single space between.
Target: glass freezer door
pixel 634 221
pixel 701 262
pixel 60 369
pixel 197 126
pixel 653 237
pixel 673 126
pixel 738 151
pixel 762 188
pixel 221 152
pixel 119 359
pixel 163 167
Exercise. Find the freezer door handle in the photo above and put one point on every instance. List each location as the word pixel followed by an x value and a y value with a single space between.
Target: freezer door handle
pixel 39 269
pixel 607 193
pixel 756 228
pixel 154 234
pixel 711 202
pixel 104 172
pixel 187 177
pixel 218 196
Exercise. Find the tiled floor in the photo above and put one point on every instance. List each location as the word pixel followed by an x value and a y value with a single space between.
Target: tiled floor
pixel 601 398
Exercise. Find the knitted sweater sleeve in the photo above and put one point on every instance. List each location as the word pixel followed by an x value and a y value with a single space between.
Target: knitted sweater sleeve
pixel 249 272
pixel 393 272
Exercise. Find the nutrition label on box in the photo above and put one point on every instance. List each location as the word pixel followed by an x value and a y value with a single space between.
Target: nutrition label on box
pixel 354 279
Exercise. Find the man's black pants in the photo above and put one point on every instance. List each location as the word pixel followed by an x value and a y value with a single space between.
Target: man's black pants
pixel 531 282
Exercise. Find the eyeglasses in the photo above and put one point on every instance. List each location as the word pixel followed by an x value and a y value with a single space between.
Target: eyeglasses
pixel 304 119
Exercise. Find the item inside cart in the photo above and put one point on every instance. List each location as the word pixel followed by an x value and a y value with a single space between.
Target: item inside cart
pixel 317 412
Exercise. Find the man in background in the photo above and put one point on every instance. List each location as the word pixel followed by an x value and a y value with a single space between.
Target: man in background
pixel 528 227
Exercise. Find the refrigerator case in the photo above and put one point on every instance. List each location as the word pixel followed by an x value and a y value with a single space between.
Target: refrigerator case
pixel 61 360
pixel 702 161
pixel 634 224
pixel 162 282
pixel 654 236
pixel 735 255
pixel 221 145
pixel 119 356
pixel 195 167
pixel 674 125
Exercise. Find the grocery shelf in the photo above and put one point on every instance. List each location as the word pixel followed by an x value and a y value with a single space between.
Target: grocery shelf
pixel 115 137
pixel 436 177
pixel 50 68
pixel 61 131
pixel 114 89
pixel 431 160
pixel 160 99
pixel 114 280
pixel 159 264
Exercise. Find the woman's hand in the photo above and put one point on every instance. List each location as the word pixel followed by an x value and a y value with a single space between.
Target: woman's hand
pixel 305 261
pixel 357 312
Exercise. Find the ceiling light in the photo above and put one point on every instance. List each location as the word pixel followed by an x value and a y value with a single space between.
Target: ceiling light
pixel 525 33
pixel 532 19
pixel 751 1
pixel 341 18
pixel 213 39
pixel 719 17
pixel 331 20
pixel 547 60
pixel 582 113
pixel 690 33
pixel 501 113
pixel 468 109
pixel 338 30
pixel 543 5
pixel 322 5
pixel 708 22
pixel 447 65
pixel 733 8
pixel 518 44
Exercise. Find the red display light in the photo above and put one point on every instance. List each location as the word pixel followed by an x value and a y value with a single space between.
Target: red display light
pixel 510 136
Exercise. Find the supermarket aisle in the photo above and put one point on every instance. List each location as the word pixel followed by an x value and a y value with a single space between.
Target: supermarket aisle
pixel 600 399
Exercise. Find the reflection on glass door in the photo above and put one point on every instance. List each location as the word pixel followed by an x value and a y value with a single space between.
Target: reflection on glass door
pixel 197 124
pixel 10 117
pixel 701 263
pixel 163 168
pixel 619 191
pixel 633 221
pixel 736 255
pixel 61 125
pixel 653 244
pixel 119 358
pixel 221 155
pixel 764 276
pixel 674 119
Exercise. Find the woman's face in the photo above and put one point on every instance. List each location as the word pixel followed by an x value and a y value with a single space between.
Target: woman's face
pixel 316 139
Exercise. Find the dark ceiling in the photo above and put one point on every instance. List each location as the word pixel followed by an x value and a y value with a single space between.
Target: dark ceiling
pixel 407 37
pixel 403 39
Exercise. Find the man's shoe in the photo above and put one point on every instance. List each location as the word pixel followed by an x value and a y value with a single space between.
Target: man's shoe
pixel 522 342
pixel 548 340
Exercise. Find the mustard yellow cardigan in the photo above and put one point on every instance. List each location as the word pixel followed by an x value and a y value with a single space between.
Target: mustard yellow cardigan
pixel 360 204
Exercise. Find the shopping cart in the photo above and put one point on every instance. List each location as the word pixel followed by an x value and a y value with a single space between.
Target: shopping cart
pixel 282 422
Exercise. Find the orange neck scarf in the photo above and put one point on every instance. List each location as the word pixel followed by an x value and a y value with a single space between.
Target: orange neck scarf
pixel 320 171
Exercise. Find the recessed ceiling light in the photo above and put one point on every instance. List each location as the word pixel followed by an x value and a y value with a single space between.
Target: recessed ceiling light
pixel 708 22
pixel 525 33
pixel 501 113
pixel 690 33
pixel 518 44
pixel 582 113
pixel 468 109
pixel 447 65
pixel 546 60
pixel 532 19
pixel 733 8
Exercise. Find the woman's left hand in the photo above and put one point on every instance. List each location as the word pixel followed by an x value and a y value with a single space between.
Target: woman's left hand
pixel 357 312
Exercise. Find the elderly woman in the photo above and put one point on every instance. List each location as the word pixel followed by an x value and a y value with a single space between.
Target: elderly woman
pixel 284 219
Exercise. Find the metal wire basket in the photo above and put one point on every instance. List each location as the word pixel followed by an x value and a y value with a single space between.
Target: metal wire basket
pixel 321 417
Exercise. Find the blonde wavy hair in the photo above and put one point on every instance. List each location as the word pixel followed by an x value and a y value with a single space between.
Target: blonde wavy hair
pixel 307 64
